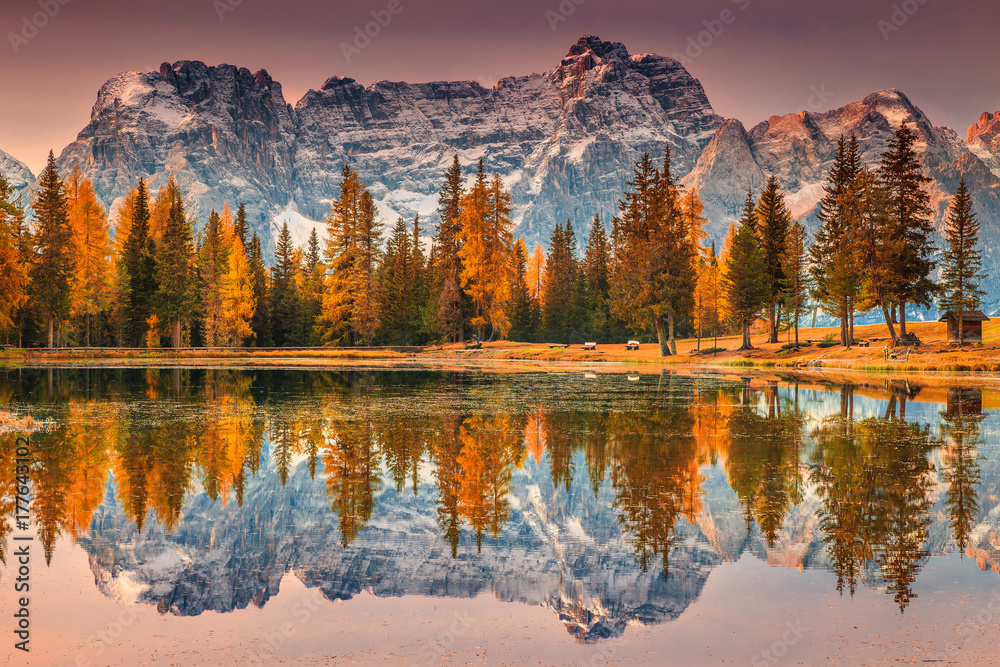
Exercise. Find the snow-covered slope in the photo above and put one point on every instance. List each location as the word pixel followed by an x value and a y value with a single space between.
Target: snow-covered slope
pixel 564 141
pixel 15 171
pixel 225 134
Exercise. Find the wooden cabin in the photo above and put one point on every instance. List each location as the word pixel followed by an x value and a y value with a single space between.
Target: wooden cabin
pixel 972 324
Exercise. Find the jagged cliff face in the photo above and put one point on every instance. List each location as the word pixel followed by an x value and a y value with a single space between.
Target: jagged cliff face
pixel 15 171
pixel 564 141
pixel 800 148
pixel 578 564
pixel 225 135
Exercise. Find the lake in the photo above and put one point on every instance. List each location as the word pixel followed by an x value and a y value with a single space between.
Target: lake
pixel 424 517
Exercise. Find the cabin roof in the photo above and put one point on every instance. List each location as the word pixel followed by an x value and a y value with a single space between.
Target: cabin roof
pixel 967 316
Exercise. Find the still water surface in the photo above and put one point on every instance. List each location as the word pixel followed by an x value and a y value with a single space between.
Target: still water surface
pixel 420 517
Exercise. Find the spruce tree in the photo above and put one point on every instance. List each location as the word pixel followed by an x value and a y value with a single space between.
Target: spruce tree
pixel 176 297
pixel 451 304
pixel 560 284
pixel 396 278
pixel 139 262
pixel 745 281
pixel 52 268
pixel 214 261
pixel 834 256
pixel 795 268
pixel 909 206
pixel 286 305
pixel 313 279
pixel 961 263
pixel 240 224
pixel 519 305
pixel 773 223
pixel 260 322
pixel 596 269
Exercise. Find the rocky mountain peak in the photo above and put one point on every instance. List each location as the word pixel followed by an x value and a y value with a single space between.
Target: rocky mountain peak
pixel 987 130
pixel 594 45
pixel 15 171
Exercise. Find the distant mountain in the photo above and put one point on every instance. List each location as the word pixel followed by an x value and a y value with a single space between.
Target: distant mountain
pixel 15 171
pixel 565 142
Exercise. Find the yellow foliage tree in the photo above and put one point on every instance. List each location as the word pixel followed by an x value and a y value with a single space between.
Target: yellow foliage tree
pixel 486 253
pixel 237 300
pixel 93 273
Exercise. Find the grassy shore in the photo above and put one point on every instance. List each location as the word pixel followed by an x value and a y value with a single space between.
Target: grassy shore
pixel 933 354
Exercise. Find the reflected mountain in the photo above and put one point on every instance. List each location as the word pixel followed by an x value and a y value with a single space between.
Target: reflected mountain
pixel 608 502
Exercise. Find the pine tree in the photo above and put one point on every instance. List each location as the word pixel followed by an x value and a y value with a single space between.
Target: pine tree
pixel 420 288
pixel 286 303
pixel 746 281
pixel 139 263
pixel 313 279
pixel 961 263
pixel 260 322
pixel 909 206
pixel 773 223
pixel 176 271
pixel 240 226
pixel 560 284
pixel 834 256
pixel 396 282
pixel 451 303
pixel 53 267
pixel 596 269
pixel 93 274
pixel 519 309
pixel 13 274
pixel 653 275
pixel 214 260
pixel 795 269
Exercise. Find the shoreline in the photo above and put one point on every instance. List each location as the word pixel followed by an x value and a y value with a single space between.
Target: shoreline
pixel 932 356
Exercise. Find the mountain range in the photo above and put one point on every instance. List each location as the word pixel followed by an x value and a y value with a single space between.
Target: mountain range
pixel 565 142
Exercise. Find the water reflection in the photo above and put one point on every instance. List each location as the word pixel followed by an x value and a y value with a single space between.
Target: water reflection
pixel 609 502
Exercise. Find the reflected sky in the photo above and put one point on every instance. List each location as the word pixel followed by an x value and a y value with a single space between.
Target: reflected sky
pixel 606 502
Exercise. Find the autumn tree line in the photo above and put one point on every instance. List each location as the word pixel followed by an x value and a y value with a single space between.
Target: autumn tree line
pixel 872 476
pixel 66 280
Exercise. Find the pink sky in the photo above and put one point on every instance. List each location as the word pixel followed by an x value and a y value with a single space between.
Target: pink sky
pixel 767 60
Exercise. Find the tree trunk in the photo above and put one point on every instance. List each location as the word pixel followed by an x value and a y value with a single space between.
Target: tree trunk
pixel 888 323
pixel 670 334
pixel 850 313
pixel 961 331
pixel 88 329
pixel 843 323
pixel 746 336
pixel 902 319
pixel 772 324
pixel 51 326
pixel 661 337
pixel 797 334
pixel 177 333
